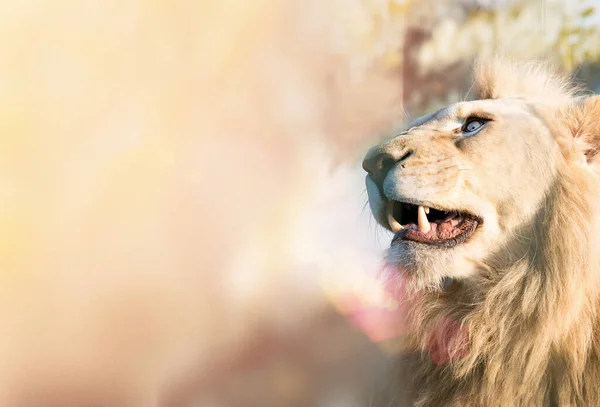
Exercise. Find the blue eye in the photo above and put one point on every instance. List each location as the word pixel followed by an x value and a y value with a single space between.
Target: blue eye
pixel 471 126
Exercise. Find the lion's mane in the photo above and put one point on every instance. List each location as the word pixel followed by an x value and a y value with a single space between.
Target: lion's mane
pixel 531 312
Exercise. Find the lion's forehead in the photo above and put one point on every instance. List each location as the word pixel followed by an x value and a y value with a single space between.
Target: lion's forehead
pixel 444 119
pixel 452 116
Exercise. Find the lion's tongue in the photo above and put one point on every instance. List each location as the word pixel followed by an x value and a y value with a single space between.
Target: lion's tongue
pixel 439 230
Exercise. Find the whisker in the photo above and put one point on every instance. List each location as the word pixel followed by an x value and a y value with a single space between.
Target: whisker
pixel 458 165
pixel 364 206
pixel 469 91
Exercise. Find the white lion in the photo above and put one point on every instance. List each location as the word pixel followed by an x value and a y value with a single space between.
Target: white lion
pixel 495 205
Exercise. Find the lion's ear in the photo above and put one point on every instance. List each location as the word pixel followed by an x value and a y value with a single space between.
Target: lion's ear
pixel 583 121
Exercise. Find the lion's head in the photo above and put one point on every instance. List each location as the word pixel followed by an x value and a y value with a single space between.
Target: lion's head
pixel 463 186
pixel 501 197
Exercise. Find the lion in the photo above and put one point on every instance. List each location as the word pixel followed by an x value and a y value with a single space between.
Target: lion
pixel 494 204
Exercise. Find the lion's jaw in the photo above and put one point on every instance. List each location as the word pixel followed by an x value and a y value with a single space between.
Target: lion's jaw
pixel 493 175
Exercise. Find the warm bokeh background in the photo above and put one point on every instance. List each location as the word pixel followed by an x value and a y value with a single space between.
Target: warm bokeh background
pixel 182 217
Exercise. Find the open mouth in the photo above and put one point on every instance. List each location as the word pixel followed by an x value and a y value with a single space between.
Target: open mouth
pixel 430 226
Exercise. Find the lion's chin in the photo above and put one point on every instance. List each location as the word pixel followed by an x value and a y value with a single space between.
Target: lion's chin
pixel 425 266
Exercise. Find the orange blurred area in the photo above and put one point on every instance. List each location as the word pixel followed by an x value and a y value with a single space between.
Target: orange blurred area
pixel 157 163
pixel 182 216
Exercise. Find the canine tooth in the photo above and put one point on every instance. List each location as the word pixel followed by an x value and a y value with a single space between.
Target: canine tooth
pixel 426 210
pixel 424 225
pixel 394 225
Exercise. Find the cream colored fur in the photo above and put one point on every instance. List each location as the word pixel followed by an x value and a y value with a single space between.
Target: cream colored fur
pixel 527 283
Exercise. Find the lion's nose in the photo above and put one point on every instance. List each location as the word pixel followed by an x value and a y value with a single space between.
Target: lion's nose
pixel 379 162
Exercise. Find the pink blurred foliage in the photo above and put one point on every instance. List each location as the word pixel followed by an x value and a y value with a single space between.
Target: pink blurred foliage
pixel 380 322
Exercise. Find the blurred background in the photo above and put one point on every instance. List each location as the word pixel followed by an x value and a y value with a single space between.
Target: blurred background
pixel 183 217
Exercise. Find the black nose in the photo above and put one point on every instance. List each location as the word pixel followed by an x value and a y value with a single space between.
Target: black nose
pixel 379 162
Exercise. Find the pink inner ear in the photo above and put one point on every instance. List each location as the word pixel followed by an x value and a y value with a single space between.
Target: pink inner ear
pixel 584 124
pixel 590 154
